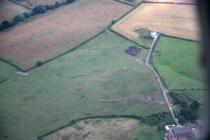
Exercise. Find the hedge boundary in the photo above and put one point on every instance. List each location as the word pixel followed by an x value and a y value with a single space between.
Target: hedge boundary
pixel 113 31
pixel 37 10
pixel 53 58
pixel 169 3
pixel 124 2
pixel 143 119
pixel 72 49
pixel 15 2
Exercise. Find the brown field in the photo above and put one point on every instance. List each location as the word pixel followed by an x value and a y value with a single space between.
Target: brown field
pixel 53 33
pixel 8 10
pixel 172 19
pixel 111 129
pixel 174 1
pixel 32 3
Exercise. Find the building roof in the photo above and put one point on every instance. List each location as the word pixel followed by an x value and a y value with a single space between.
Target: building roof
pixel 182 130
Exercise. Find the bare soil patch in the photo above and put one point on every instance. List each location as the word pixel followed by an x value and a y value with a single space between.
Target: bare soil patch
pixel 172 19
pixel 8 10
pixel 53 33
pixel 110 129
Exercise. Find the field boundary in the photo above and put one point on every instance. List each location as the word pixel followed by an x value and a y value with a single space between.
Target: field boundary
pixel 143 119
pixel 134 7
pixel 191 89
pixel 74 48
pixel 53 58
pixel 111 30
pixel 197 41
pixel 17 3
pixel 169 3
pixel 124 2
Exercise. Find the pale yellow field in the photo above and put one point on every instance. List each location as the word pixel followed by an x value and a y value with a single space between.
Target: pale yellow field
pixel 55 32
pixel 172 19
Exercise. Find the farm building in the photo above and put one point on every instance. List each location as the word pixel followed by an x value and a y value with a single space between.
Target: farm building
pixel 179 133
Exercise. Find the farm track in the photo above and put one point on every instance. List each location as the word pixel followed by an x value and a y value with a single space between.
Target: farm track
pixel 162 87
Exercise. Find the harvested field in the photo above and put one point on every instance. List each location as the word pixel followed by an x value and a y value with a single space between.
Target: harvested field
pixel 32 3
pixel 8 10
pixel 172 19
pixel 174 1
pixel 56 32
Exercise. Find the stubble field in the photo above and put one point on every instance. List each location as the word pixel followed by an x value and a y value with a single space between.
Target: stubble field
pixel 58 31
pixel 171 19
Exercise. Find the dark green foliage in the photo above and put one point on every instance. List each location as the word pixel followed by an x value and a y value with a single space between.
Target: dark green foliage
pixel 113 22
pixel 17 19
pixel 39 9
pixel 5 25
pixel 159 119
pixel 57 4
pixel 26 15
pixel 187 107
pixel 50 7
pixel 39 63
pixel 69 1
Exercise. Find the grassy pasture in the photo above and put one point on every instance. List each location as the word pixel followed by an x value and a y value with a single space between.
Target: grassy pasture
pixel 8 10
pixel 177 61
pixel 166 18
pixel 41 40
pixel 97 79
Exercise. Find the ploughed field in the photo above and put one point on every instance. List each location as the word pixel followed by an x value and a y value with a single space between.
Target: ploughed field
pixel 8 10
pixel 58 31
pixel 177 20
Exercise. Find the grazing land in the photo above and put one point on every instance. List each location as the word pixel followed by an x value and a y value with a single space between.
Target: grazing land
pixel 177 61
pixel 109 129
pixel 163 18
pixel 40 40
pixel 99 78
pixel 8 10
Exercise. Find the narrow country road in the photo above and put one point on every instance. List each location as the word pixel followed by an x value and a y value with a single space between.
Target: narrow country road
pixel 162 87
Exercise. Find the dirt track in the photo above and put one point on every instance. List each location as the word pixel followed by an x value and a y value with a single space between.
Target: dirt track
pixel 58 31
pixel 172 19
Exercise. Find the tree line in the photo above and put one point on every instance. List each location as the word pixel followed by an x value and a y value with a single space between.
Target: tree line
pixel 39 9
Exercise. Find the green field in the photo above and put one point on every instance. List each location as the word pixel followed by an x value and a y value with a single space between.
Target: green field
pixel 145 132
pixel 96 79
pixel 177 61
